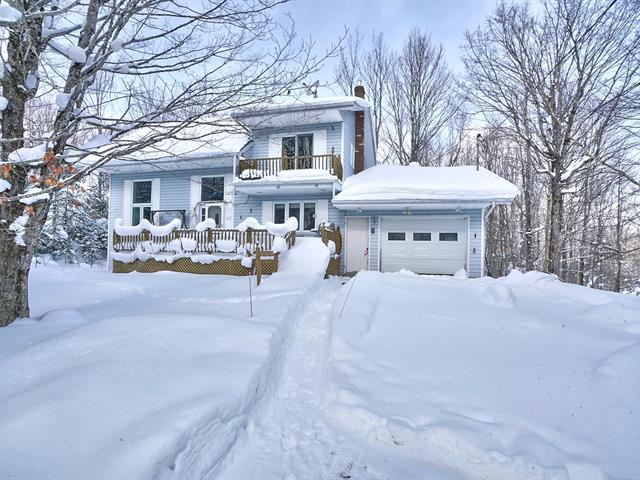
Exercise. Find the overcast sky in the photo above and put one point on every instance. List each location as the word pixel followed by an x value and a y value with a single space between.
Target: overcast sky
pixel 445 20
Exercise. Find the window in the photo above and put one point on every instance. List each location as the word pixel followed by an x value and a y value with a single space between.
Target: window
pixel 309 216
pixel 395 236
pixel 297 146
pixel 448 237
pixel 305 213
pixel 141 204
pixel 421 237
pixel 279 212
pixel 212 189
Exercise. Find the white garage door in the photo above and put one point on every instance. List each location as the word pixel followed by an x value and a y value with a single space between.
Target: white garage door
pixel 435 245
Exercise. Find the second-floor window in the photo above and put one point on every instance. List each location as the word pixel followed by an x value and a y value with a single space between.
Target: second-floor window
pixel 297 145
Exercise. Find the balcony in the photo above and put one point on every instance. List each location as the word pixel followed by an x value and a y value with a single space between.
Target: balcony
pixel 299 167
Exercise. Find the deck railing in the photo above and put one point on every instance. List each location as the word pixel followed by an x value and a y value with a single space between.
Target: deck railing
pixel 206 241
pixel 257 168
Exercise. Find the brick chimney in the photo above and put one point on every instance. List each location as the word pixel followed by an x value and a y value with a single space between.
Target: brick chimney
pixel 358 162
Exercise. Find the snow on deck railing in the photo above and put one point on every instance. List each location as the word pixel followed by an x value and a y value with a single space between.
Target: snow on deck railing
pixel 156 240
pixel 296 167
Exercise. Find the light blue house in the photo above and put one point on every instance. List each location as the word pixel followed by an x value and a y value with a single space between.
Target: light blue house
pixel 316 160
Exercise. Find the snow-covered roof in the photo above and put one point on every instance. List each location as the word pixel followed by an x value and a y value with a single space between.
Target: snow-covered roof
pixel 191 146
pixel 285 111
pixel 400 185
pixel 304 103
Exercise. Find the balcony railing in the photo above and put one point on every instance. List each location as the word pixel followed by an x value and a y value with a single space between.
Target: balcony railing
pixel 258 168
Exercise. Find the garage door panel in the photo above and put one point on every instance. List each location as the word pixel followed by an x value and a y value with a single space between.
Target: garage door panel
pixel 417 252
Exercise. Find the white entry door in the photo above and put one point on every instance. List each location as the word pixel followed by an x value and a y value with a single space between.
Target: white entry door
pixel 357 244
pixel 424 244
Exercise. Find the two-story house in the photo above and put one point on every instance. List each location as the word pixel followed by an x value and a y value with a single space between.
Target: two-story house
pixel 315 159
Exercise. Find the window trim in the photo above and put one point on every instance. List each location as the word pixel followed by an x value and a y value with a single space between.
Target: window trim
pixel 286 212
pixel 204 206
pixel 141 206
pixel 202 184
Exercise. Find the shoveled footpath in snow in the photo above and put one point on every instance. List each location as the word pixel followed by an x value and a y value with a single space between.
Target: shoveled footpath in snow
pixel 522 377
pixel 445 378
pixel 142 375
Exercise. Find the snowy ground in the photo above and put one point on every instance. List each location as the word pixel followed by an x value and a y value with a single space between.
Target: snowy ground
pixel 388 376
pixel 141 375
pixel 521 377
pixel 443 378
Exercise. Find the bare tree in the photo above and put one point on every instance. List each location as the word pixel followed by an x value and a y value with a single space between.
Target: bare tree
pixel 562 83
pixel 376 69
pixel 348 69
pixel 187 62
pixel 420 102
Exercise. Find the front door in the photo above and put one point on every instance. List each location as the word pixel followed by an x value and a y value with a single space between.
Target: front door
pixel 357 244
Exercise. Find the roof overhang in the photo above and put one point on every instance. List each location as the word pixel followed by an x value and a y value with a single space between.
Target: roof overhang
pixel 299 113
pixel 216 160
pixel 436 204
pixel 299 187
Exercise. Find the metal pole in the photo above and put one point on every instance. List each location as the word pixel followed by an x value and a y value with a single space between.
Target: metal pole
pixel 250 297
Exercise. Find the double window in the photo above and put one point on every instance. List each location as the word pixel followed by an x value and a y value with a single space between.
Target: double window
pixel 297 151
pixel 304 212
pixel 141 201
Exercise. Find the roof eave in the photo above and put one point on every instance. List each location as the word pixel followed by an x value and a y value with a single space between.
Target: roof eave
pixel 417 204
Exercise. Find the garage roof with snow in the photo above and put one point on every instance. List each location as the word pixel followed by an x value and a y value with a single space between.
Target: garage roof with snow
pixel 385 186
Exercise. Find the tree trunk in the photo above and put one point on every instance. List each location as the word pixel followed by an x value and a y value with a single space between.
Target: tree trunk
pixel 554 249
pixel 528 210
pixel 617 286
pixel 15 262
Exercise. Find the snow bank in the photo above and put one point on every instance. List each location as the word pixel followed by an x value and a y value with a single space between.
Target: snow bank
pixel 4 185
pixel 407 183
pixel 4 103
pixel 279 245
pixel 522 377
pixel 141 254
pixel 227 245
pixel 277 229
pixel 281 229
pixel 283 176
pixel 251 223
pixel 146 225
pixel 206 224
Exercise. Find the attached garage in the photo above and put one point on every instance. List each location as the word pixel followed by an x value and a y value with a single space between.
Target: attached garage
pixel 422 219
pixel 424 244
